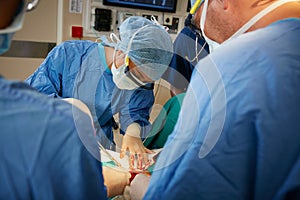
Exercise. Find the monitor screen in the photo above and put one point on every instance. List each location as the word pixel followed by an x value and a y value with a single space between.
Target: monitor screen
pixel 156 5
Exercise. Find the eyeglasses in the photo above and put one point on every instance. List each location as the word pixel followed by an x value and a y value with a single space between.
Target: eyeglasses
pixel 134 78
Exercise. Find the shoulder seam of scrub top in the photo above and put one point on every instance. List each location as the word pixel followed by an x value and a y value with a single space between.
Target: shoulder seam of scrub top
pixel 102 57
pixel 284 20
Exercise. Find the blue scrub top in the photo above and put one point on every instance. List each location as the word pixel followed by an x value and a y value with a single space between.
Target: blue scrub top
pixel 42 156
pixel 238 133
pixel 180 70
pixel 78 69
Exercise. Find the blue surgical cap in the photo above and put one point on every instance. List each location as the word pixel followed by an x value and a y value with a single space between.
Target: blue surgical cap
pixel 147 44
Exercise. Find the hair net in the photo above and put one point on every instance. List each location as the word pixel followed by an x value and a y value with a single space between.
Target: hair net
pixel 147 44
pixel 17 22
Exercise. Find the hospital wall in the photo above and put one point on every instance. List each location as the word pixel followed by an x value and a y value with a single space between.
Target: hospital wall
pixel 51 23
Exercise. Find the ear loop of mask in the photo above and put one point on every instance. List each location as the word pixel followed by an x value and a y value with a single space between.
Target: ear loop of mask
pixel 114 54
pixel 203 16
pixel 114 38
pixel 134 34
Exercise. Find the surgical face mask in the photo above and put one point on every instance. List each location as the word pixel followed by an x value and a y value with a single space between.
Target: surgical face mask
pixel 120 78
pixel 5 40
pixel 122 81
pixel 211 44
pixel 7 33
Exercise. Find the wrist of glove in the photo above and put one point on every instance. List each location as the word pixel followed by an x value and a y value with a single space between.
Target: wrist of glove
pixel 134 130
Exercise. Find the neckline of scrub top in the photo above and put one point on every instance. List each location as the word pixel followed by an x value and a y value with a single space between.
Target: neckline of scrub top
pixel 103 58
pixel 291 19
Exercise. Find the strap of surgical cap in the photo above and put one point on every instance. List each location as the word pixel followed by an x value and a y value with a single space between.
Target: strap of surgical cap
pixel 139 30
pixel 114 38
pixel 153 19
pixel 155 23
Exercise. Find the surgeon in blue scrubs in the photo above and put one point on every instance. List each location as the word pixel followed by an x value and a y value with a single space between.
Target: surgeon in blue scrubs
pixel 189 48
pixel 111 77
pixel 41 153
pixel 238 133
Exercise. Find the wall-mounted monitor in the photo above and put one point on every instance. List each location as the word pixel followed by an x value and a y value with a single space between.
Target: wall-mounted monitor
pixel 156 5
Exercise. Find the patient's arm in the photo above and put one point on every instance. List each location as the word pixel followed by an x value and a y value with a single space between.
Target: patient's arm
pixel 115 179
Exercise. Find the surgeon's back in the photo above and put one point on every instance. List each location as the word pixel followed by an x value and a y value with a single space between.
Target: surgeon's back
pixel 41 154
pixel 254 152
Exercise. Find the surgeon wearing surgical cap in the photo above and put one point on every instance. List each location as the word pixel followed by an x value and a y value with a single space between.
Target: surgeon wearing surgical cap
pixel 238 132
pixel 42 156
pixel 110 78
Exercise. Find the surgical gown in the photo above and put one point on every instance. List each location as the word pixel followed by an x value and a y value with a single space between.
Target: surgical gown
pixel 42 156
pixel 78 69
pixel 238 133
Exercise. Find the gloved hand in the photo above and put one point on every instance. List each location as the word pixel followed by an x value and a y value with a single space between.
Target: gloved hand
pixel 115 180
pixel 134 145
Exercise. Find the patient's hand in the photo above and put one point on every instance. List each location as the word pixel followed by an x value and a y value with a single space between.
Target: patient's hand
pixel 115 180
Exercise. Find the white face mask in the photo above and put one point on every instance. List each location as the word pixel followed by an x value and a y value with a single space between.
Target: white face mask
pixel 122 81
pixel 213 45
pixel 120 78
